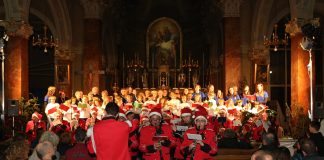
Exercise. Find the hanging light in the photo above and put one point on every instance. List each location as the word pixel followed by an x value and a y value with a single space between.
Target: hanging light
pixel 45 41
pixel 274 41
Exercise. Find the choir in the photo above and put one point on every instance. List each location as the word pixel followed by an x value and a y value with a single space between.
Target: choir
pixel 182 124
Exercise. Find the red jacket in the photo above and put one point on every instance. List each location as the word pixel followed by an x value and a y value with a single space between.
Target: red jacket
pixel 133 138
pixel 200 152
pixel 31 130
pixel 110 140
pixel 147 144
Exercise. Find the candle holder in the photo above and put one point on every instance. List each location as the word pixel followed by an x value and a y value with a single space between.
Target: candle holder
pixel 45 41
pixel 190 64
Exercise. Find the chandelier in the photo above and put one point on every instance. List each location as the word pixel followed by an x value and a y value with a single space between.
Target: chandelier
pixel 274 41
pixel 45 41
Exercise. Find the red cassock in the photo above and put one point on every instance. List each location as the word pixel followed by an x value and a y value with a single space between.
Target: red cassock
pixel 110 140
pixel 206 152
pixel 179 139
pixel 147 143
pixel 31 129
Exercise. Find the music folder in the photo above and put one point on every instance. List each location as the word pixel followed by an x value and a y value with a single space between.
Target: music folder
pixel 182 128
pixel 196 137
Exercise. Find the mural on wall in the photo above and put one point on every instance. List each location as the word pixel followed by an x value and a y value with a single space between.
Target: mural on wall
pixel 164 43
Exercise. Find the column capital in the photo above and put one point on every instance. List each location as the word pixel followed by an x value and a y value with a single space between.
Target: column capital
pixel 19 29
pixel 292 27
pixel 231 8
pixel 93 9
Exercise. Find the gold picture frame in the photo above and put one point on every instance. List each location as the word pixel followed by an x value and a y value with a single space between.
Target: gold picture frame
pixel 261 73
pixel 62 74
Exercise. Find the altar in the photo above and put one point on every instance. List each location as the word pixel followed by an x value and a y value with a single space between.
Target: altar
pixel 163 65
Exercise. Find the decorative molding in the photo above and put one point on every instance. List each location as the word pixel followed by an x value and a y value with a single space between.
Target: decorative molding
pixel 93 9
pixel 259 55
pixel 231 8
pixel 19 29
pixel 63 54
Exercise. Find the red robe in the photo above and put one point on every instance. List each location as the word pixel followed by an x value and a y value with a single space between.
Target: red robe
pixel 198 153
pixel 110 140
pixel 133 138
pixel 146 142
pixel 179 139
pixel 31 130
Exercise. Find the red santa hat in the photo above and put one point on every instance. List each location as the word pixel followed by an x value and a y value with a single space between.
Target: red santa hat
pixel 186 112
pixel 121 113
pixel 129 111
pixel 201 113
pixel 155 111
pixel 37 115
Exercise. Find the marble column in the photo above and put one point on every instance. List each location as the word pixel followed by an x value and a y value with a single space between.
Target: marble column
pixel 92 47
pixel 232 41
pixel 301 12
pixel 16 60
pixel 300 88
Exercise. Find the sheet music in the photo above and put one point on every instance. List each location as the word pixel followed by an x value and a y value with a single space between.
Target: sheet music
pixel 182 128
pixel 197 137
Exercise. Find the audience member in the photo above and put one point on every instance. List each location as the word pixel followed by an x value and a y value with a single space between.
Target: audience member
pixel 65 143
pixel 270 142
pixel 262 155
pixel 51 137
pixel 79 151
pixel 308 148
pixel 17 150
pixel 44 151
pixel 316 136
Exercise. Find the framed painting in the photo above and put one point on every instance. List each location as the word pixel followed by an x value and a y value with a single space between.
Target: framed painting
pixel 164 43
pixel 62 73
pixel 261 73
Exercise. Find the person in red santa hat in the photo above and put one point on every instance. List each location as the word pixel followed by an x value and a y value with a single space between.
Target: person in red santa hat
pixel 222 122
pixel 179 130
pixel 32 125
pixel 58 125
pixel 133 143
pixel 109 137
pixel 203 147
pixel 156 139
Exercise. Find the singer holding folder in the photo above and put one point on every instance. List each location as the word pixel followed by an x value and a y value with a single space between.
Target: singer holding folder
pixel 156 139
pixel 199 141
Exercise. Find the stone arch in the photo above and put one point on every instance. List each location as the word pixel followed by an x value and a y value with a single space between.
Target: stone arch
pixel 260 21
pixel 45 19
pixel 62 23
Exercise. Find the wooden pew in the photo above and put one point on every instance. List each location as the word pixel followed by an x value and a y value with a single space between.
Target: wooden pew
pixel 234 154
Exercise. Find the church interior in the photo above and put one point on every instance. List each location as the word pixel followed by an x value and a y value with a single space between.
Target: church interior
pixel 165 44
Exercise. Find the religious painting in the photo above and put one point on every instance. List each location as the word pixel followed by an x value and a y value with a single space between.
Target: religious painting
pixel 261 73
pixel 164 43
pixel 62 73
